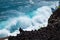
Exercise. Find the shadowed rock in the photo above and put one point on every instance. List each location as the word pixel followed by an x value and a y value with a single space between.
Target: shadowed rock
pixel 51 32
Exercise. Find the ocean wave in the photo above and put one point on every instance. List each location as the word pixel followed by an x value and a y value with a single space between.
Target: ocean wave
pixel 27 23
pixel 33 19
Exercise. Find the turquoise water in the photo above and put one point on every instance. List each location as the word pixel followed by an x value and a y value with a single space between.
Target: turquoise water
pixel 25 14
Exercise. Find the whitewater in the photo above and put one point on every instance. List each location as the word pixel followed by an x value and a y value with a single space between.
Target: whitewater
pixel 28 21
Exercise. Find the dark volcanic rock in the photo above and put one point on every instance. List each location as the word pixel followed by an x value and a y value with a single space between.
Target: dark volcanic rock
pixel 51 32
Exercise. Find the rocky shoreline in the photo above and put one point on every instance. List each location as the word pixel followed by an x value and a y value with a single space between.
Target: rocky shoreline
pixel 51 32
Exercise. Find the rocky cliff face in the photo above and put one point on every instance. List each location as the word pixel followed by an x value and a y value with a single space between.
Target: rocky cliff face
pixel 51 32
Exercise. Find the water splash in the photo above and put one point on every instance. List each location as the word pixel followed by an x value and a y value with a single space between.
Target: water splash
pixel 31 20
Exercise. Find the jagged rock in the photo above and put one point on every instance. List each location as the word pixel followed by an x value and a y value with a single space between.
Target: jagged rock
pixel 20 30
pixel 51 32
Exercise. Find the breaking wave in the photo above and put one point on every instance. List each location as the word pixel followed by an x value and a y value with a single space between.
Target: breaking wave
pixel 12 20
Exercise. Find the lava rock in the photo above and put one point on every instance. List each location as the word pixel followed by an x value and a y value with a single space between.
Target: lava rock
pixel 51 32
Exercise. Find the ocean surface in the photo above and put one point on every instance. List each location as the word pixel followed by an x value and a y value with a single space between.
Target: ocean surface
pixel 26 14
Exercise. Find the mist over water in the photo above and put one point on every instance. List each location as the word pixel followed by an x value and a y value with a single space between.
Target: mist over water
pixel 28 15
